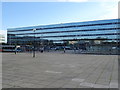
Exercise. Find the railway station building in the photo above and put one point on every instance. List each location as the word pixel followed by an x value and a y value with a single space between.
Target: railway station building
pixel 100 36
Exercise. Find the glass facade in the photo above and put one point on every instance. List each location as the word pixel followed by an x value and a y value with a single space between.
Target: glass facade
pixel 90 31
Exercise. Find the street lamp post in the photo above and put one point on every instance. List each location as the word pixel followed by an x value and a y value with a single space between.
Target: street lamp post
pixel 34 43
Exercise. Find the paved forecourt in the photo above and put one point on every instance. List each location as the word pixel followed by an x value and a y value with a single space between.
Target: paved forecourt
pixel 58 70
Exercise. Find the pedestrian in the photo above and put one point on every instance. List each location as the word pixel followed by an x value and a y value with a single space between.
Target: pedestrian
pixel 64 49
pixel 15 50
pixel 42 49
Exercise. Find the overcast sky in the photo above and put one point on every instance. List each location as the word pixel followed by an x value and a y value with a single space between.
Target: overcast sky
pixel 20 14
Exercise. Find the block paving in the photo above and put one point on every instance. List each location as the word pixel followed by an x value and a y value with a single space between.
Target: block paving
pixel 59 70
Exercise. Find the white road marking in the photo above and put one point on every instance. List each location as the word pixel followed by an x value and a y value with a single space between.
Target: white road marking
pixel 77 80
pixel 87 84
pixel 53 72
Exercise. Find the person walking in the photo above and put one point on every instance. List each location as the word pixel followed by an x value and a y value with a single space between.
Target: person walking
pixel 15 49
pixel 64 49
pixel 42 49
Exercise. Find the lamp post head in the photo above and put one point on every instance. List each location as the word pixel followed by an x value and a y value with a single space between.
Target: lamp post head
pixel 34 29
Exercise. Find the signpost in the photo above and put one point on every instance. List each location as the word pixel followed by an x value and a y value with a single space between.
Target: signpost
pixel 34 43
